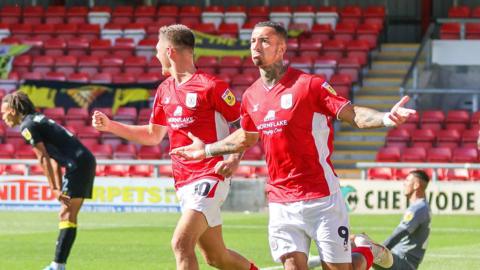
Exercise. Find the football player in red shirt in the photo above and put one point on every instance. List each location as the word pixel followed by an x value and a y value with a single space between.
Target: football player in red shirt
pixel 292 112
pixel 190 101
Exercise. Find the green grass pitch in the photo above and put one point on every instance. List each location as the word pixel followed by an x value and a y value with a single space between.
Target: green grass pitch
pixel 142 240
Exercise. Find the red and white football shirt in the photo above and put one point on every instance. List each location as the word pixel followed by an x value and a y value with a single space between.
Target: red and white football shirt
pixel 203 105
pixel 294 119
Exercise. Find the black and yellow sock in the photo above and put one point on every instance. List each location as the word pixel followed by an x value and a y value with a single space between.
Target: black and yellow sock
pixel 66 237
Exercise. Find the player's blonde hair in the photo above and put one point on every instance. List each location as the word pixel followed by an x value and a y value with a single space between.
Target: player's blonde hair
pixel 179 35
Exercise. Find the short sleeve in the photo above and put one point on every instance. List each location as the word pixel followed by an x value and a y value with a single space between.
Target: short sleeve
pixel 246 121
pixel 411 220
pixel 325 98
pixel 158 114
pixel 224 101
pixel 31 134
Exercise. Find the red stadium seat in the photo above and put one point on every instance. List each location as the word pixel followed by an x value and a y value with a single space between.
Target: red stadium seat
pixel 123 78
pixel 304 63
pixel 321 32
pixel 236 14
pixel 134 65
pixel 388 154
pixel 458 174
pixel 358 49
pixel 344 31
pixel 380 174
pixel 169 11
pixel 57 114
pixel 423 135
pixel 123 47
pixel 351 67
pixel 141 170
pixel 22 63
pixel 116 170
pixel 55 14
pixel 325 65
pixel 77 14
pixel 342 83
pixel 369 33
pixel 149 78
pixel 101 151
pixel 15 169
pixel 66 64
pixel 36 169
pixel 374 14
pixel 144 14
pixel 414 154
pixel 228 30
pixel 126 115
pixel 89 31
pixel 20 31
pixel 42 64
pixel 100 47
pixel 310 47
pixel 125 151
pixel 450 31
pixel 112 64
pixel 351 14
pixel 33 14
pixel 79 114
pixel 230 65
pixel 165 170
pixel 66 31
pixel 55 76
pixel 25 152
pixel 463 155
pixel 77 46
pixel 102 77
pixel 7 150
pixel 439 154
pixel 435 116
pixel 402 173
pixel 334 48
pixel 100 170
pixel 149 152
pixel 458 116
pixel 469 136
pixel 154 66
pixel 88 64
pixel 122 14
pixel 459 12
pixel 10 14
pixel 448 135
pixel 472 31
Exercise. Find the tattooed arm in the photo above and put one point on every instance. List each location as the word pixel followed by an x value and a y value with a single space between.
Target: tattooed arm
pixel 363 117
pixel 237 142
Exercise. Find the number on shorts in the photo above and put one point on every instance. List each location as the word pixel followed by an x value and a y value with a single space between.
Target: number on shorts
pixel 202 189
pixel 343 233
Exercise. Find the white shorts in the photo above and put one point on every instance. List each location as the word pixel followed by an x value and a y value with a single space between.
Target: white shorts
pixel 292 226
pixel 206 196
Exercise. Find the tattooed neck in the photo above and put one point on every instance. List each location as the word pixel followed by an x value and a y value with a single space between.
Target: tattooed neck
pixel 272 74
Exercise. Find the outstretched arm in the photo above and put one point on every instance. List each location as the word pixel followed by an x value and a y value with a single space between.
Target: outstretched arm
pixel 237 142
pixel 146 134
pixel 363 117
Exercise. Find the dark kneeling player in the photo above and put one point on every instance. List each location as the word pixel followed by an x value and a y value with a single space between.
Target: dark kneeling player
pixel 55 147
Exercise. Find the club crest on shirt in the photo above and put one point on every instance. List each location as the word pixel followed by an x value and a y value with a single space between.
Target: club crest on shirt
pixel 255 107
pixel 26 134
pixel 178 111
pixel 191 100
pixel 329 88
pixel 286 101
pixel 228 97
pixel 166 100
pixel 270 116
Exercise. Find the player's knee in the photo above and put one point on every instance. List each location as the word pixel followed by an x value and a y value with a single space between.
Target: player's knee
pixel 214 260
pixel 182 245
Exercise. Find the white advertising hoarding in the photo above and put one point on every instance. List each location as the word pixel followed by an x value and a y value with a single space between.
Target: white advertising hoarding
pixel 109 194
pixel 382 197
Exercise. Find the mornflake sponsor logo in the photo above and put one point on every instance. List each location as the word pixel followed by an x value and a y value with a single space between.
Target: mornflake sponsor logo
pixel 180 122
pixel 25 190
pixel 268 125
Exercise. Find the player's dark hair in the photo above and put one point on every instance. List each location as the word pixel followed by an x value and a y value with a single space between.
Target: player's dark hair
pixel 19 102
pixel 422 175
pixel 179 35
pixel 279 29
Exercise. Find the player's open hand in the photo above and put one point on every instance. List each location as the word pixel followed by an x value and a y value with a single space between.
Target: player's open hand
pixel 227 167
pixel 196 150
pixel 100 121
pixel 399 114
